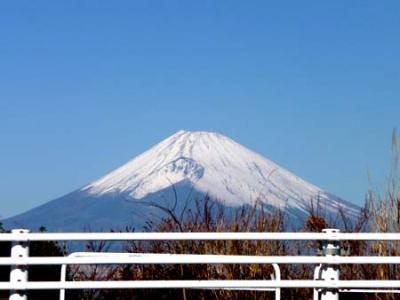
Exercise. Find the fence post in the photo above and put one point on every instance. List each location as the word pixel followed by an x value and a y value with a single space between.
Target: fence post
pixel 330 272
pixel 19 273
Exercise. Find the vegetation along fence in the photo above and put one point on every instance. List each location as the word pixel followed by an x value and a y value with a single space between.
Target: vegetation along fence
pixel 327 262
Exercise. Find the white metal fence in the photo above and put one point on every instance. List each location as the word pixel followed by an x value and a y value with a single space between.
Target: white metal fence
pixel 326 282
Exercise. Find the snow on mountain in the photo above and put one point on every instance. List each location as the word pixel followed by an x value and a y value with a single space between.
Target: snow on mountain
pixel 215 165
pixel 209 162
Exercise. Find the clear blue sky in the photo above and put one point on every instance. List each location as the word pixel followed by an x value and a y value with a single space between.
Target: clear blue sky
pixel 87 85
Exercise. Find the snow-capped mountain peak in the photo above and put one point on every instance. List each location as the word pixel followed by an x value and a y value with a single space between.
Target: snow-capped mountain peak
pixel 214 164
pixel 197 163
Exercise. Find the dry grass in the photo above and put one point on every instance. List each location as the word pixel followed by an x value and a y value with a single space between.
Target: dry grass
pixel 381 213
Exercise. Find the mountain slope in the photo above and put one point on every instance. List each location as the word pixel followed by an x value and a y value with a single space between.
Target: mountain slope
pixel 190 162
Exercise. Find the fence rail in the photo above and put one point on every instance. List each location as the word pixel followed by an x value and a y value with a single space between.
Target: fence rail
pixel 16 235
pixel 326 282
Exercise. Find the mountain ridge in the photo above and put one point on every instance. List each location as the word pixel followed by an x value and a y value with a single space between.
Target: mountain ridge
pixel 207 162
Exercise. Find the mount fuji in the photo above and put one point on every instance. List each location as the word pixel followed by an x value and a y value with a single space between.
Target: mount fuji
pixel 184 166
